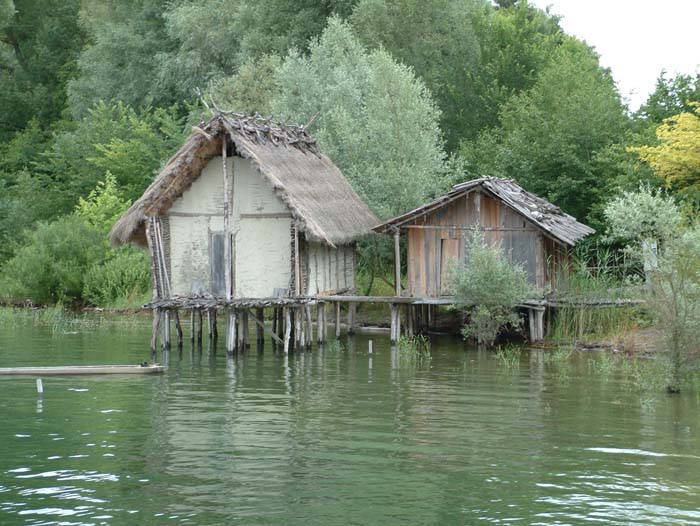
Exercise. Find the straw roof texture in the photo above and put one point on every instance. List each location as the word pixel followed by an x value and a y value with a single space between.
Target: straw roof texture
pixel 548 217
pixel 322 201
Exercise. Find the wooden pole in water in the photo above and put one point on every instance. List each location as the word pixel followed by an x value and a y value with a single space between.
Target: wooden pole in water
pixel 274 320
pixel 215 329
pixel 246 329
pixel 210 328
pixel 259 332
pixel 199 328
pixel 287 329
pixel 298 330
pixel 337 319
pixel 231 332
pixel 228 249
pixel 154 335
pixel 321 322
pixel 352 311
pixel 165 342
pixel 192 328
pixel 309 326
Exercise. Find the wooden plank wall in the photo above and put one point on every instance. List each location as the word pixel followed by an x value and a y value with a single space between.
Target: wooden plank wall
pixel 523 242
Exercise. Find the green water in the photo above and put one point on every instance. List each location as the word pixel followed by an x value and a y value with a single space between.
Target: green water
pixel 335 438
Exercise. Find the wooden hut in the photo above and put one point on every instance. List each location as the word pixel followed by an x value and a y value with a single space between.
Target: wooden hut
pixel 247 214
pixel 532 231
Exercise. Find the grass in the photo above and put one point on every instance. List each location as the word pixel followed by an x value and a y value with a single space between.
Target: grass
pixel 509 355
pixel 414 352
pixel 62 320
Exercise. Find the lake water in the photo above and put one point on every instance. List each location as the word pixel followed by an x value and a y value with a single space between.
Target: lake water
pixel 335 438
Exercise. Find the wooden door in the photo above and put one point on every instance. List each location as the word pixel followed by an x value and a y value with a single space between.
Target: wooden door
pixel 449 256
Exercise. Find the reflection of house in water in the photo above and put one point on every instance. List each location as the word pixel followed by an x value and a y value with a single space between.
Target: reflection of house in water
pixel 248 214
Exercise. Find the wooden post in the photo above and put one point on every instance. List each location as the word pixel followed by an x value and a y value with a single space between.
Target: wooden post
pixel 154 336
pixel 228 279
pixel 297 264
pixel 165 339
pixel 395 323
pixel 309 326
pixel 409 320
pixel 246 329
pixel 539 321
pixel 321 322
pixel 199 328
pixel 337 319
pixel 531 323
pixel 178 328
pixel 259 333
pixel 352 310
pixel 215 330
pixel 397 261
pixel 210 327
pixel 298 330
pixel 192 328
pixel 231 332
pixel 287 329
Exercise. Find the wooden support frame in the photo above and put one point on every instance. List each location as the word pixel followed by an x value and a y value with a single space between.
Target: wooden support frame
pixel 261 325
pixel 337 320
pixel 397 261
pixel 228 201
pixel 231 332
pixel 321 323
pixel 352 312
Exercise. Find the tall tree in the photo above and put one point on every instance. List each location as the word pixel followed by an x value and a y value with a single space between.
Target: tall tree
pixel 375 119
pixel 551 134
pixel 437 40
pixel 673 95
pixel 39 44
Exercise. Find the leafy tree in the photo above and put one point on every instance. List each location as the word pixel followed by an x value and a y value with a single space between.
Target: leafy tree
pixel 676 160
pixel 436 39
pixel 122 61
pixel 52 265
pixel 672 96
pixel 375 119
pixel 551 134
pixel 39 43
pixel 277 26
pixel 252 89
pixel 103 206
pixel 489 288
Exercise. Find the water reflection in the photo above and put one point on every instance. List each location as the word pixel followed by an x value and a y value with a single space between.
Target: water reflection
pixel 338 436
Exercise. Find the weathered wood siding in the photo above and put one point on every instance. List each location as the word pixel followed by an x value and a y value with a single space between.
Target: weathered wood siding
pixel 326 269
pixel 260 224
pixel 444 230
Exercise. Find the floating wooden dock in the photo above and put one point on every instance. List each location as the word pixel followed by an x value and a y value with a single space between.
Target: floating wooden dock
pixel 69 370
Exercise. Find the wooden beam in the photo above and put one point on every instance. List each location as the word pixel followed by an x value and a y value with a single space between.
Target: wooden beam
pixel 337 319
pixel 297 268
pixel 397 261
pixel 272 334
pixel 352 310
pixel 287 329
pixel 228 278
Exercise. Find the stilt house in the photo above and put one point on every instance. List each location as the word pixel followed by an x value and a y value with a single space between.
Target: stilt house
pixel 532 232
pixel 248 209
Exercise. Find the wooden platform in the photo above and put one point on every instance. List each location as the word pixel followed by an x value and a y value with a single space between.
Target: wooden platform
pixel 69 370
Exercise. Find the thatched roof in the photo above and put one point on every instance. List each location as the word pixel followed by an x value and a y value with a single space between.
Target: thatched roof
pixel 320 198
pixel 543 214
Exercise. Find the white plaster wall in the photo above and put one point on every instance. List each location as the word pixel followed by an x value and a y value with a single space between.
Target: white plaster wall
pixel 262 245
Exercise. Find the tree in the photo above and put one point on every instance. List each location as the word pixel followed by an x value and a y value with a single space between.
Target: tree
pixel 252 89
pixel 122 62
pixel 488 288
pixel 672 96
pixel 375 119
pixel 676 160
pixel 550 135
pixel 39 44
pixel 436 39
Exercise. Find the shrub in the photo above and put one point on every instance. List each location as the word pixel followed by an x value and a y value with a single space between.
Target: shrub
pixel 52 266
pixel 123 280
pixel 488 288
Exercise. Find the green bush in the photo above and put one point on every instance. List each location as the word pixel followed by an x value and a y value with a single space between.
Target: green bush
pixel 488 288
pixel 52 266
pixel 121 281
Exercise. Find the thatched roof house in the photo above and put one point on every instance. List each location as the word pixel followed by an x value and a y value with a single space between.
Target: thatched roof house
pixel 532 231
pixel 282 221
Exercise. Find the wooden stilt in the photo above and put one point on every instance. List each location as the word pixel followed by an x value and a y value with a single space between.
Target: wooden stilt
pixel 321 322
pixel 259 332
pixel 215 329
pixel 352 312
pixel 531 324
pixel 337 319
pixel 199 328
pixel 210 327
pixel 409 321
pixel 309 326
pixel 395 323
pixel 178 328
pixel 246 329
pixel 231 332
pixel 298 330
pixel 154 336
pixel 165 338
pixel 274 319
pixel 287 329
